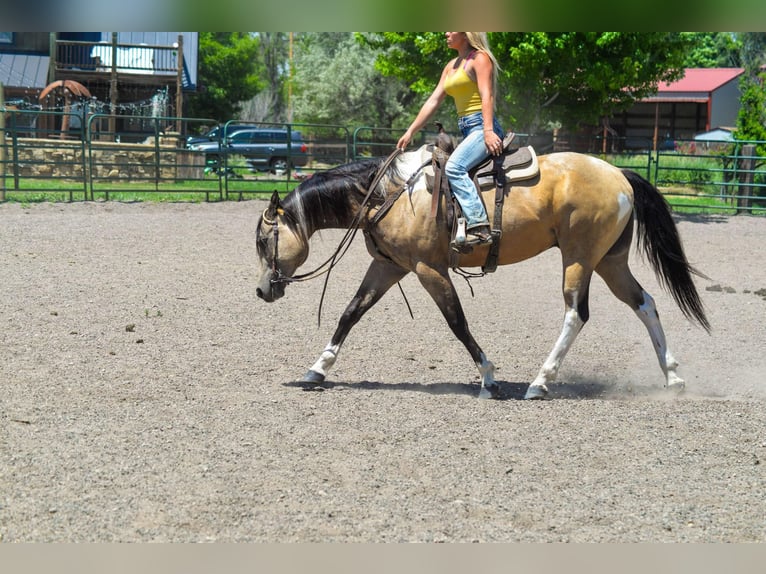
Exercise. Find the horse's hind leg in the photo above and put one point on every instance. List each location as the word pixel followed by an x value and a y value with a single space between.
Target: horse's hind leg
pixel 442 291
pixel 576 288
pixel 617 275
pixel 380 277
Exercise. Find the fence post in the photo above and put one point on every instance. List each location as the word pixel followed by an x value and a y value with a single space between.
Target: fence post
pixel 113 91
pixel 180 84
pixel 747 164
pixel 2 143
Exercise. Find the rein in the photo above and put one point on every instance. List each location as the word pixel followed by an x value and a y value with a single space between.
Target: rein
pixel 345 243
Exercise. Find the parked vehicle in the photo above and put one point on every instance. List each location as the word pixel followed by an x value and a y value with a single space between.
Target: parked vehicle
pixel 263 149
pixel 217 133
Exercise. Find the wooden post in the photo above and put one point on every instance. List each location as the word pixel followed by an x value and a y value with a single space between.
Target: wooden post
pixel 180 84
pixel 113 95
pixel 744 190
pixel 53 57
pixel 46 124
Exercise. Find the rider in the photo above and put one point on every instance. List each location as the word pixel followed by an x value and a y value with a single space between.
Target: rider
pixel 470 79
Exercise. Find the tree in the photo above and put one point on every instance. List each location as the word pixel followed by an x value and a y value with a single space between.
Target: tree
pixel 578 78
pixel 270 103
pixel 229 73
pixel 751 121
pixel 753 50
pixel 417 59
pixel 335 82
pixel 567 78
pixel 714 50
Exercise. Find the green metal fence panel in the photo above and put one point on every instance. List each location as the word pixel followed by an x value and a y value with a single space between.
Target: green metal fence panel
pixel 298 151
pixel 130 156
pixel 72 156
pixel 721 176
pixel 43 153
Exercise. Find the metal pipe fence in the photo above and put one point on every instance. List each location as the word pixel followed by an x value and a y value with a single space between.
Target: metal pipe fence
pixel 145 157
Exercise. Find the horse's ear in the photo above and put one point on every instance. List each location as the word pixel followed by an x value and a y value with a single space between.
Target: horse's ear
pixel 273 209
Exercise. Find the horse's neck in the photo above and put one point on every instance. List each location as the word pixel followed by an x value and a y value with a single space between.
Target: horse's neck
pixel 337 211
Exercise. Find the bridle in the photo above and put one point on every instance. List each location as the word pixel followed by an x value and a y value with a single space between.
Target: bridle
pixel 278 277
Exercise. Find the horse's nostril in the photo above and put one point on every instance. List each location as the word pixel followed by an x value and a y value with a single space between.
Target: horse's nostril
pixel 259 292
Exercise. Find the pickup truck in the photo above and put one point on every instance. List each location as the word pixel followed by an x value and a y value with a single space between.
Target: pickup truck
pixel 263 149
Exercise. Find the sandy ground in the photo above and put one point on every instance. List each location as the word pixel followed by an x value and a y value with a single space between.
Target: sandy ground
pixel 147 395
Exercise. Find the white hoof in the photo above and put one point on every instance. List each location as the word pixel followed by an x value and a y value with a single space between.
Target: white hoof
pixel 676 383
pixel 536 392
pixel 489 392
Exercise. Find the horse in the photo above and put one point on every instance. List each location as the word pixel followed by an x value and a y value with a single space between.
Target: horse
pixel 583 205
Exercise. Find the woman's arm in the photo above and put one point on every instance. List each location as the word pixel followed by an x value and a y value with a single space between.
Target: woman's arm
pixel 429 108
pixel 482 68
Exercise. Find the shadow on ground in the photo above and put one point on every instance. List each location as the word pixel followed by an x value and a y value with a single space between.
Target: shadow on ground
pixel 575 390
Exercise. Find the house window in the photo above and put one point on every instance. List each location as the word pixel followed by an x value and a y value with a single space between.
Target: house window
pixel 6 37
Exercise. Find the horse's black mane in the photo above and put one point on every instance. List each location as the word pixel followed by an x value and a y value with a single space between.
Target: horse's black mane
pixel 326 199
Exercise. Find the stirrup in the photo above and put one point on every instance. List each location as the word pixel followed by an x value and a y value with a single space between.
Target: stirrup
pixel 479 235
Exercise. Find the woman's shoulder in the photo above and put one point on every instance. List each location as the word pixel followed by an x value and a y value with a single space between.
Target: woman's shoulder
pixel 481 57
pixel 480 61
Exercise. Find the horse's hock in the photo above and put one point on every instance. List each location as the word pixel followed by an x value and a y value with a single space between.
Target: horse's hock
pixel 62 159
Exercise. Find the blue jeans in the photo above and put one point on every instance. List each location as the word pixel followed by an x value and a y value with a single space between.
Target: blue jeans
pixel 469 153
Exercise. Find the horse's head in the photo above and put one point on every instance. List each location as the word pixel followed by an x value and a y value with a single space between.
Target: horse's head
pixel 281 250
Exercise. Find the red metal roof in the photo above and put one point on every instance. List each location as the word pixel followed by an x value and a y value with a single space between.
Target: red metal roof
pixel 701 80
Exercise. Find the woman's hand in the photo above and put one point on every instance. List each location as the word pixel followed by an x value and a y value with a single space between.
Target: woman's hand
pixel 493 142
pixel 404 141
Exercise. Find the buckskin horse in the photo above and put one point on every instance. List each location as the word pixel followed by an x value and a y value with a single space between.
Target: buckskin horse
pixel 581 204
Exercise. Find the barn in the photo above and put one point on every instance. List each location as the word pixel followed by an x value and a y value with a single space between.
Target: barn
pixel 702 100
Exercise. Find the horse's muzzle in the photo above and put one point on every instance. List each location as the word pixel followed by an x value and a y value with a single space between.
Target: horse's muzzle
pixel 269 290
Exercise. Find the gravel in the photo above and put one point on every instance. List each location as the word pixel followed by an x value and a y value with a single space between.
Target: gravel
pixel 148 395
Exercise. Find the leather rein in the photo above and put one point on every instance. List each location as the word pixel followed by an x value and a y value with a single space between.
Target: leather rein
pixel 327 266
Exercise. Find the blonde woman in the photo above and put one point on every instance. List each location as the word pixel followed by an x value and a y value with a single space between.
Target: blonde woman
pixel 470 79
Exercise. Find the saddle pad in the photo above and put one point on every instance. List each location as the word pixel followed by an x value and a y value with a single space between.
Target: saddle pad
pixel 518 165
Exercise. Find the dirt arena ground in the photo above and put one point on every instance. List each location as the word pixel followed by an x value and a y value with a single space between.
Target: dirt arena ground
pixel 147 395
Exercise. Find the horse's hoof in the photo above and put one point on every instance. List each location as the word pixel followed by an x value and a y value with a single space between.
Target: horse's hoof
pixel 677 385
pixel 490 392
pixel 536 392
pixel 313 377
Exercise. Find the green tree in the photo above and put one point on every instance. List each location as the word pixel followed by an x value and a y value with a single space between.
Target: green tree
pixel 753 50
pixel 335 82
pixel 751 121
pixel 270 103
pixel 575 78
pixel 417 59
pixel 229 73
pixel 714 50
pixel 566 78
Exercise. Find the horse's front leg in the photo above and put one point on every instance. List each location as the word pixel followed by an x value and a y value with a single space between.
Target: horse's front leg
pixel 380 277
pixel 442 291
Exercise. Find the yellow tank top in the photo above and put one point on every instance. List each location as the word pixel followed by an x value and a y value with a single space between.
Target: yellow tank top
pixel 465 91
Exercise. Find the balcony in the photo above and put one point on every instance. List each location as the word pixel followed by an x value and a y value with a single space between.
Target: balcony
pixel 131 63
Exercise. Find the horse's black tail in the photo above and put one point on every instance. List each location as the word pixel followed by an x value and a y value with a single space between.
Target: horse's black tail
pixel 657 235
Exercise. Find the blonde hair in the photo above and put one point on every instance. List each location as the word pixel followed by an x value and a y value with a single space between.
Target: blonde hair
pixel 478 41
